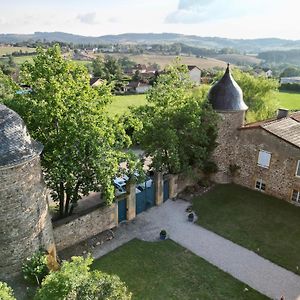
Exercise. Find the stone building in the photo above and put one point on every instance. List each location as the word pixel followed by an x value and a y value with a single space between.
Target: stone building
pixel 25 225
pixel 265 155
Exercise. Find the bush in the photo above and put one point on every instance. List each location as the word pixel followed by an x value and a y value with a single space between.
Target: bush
pixel 75 281
pixel 6 292
pixel 35 268
pixel 210 167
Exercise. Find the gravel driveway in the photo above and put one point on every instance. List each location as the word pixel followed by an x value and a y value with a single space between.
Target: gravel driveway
pixel 257 272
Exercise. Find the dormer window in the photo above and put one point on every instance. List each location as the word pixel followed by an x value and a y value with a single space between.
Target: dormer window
pixel 264 159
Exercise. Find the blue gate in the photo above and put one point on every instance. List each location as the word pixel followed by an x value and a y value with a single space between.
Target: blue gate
pixel 122 210
pixel 145 199
pixel 166 190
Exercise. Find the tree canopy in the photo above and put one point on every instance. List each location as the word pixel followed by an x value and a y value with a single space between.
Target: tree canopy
pixel 109 69
pixel 82 146
pixel 178 127
pixel 75 281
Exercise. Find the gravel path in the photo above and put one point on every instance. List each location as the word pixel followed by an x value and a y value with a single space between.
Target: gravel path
pixel 257 272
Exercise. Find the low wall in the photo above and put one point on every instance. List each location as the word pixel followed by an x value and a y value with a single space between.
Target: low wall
pixel 74 230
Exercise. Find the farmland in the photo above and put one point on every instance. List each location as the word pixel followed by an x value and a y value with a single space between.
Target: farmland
pixel 289 100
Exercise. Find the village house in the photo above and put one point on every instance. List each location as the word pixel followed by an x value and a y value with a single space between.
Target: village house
pixel 263 155
pixel 195 74
pixel 137 87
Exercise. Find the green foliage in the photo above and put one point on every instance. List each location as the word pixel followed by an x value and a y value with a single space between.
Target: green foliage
pixel 110 70
pixel 259 94
pixel 6 292
pixel 75 281
pixel 178 127
pixel 293 87
pixel 7 87
pixel 82 145
pixel 35 268
pixel 290 72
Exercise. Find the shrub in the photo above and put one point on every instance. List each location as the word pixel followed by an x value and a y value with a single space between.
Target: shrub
pixel 210 167
pixel 75 281
pixel 35 268
pixel 6 292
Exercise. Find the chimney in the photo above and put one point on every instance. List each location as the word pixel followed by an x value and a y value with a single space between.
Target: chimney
pixel 282 113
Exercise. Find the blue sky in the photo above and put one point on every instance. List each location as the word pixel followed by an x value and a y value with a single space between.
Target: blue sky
pixel 225 18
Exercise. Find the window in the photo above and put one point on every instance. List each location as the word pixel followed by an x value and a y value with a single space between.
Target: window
pixel 260 185
pixel 298 169
pixel 296 196
pixel 264 159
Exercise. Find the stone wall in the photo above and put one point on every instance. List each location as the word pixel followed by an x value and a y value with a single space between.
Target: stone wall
pixel 24 218
pixel 227 140
pixel 74 230
pixel 280 177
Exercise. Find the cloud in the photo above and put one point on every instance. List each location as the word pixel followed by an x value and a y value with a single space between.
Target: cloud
pixel 198 11
pixel 88 18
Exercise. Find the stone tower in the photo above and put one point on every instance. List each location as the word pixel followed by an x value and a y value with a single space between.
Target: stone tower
pixel 25 224
pixel 226 97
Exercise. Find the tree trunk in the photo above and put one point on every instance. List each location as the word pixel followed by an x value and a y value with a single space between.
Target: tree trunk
pixel 61 199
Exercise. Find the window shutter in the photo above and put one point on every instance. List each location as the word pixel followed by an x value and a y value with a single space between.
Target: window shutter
pixel 264 159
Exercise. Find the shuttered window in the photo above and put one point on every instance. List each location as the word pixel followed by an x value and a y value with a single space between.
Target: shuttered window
pixel 298 169
pixel 264 159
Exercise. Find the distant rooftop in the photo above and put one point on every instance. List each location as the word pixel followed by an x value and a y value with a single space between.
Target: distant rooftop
pixel 16 146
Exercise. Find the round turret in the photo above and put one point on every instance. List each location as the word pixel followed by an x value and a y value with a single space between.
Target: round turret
pixel 24 217
pixel 226 95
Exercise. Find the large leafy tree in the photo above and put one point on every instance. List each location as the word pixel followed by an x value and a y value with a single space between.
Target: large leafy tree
pixel 177 127
pixel 75 281
pixel 8 88
pixel 109 69
pixel 82 147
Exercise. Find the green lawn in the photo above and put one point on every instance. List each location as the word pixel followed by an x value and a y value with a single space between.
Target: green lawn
pixel 289 100
pixel 120 104
pixel 264 224
pixel 165 270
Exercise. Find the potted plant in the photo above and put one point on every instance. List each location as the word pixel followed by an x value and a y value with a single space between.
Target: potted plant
pixel 163 234
pixel 191 217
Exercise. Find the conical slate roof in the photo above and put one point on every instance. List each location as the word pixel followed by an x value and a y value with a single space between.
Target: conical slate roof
pixel 226 95
pixel 16 145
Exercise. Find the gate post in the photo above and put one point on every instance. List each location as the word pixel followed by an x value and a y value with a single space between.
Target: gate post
pixel 159 188
pixel 130 200
pixel 173 186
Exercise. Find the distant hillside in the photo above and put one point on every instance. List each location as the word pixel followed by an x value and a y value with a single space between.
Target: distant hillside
pixel 286 57
pixel 247 45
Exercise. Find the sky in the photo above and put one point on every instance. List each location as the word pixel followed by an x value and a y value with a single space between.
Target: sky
pixel 223 18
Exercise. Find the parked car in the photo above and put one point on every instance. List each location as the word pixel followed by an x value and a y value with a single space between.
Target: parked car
pixel 120 186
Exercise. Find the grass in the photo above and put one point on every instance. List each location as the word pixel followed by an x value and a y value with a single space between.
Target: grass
pixel 289 100
pixel 9 50
pixel 264 224
pixel 121 104
pixel 165 270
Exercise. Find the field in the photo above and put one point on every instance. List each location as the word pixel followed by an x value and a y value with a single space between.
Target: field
pixel 261 223
pixel 163 60
pixel 289 100
pixel 8 50
pixel 120 104
pixel 165 270
pixel 238 59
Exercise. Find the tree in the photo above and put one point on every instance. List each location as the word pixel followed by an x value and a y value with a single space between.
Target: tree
pixel 290 72
pixel 110 70
pixel 259 94
pixel 8 88
pixel 6 292
pixel 82 146
pixel 75 281
pixel 178 126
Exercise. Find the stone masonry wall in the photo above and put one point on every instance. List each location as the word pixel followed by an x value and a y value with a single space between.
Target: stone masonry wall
pixel 224 154
pixel 280 177
pixel 25 224
pixel 85 226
